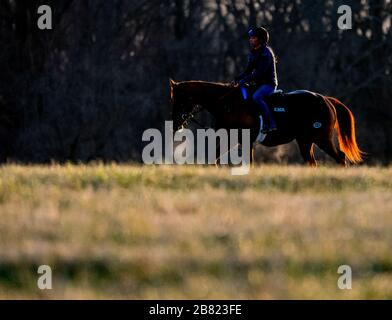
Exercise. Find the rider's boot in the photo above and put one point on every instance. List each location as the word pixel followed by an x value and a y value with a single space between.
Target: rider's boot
pixel 269 123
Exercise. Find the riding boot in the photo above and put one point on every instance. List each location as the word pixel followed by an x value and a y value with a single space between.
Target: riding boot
pixel 272 123
pixel 269 122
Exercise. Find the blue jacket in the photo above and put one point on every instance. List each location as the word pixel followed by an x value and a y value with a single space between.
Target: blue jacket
pixel 261 68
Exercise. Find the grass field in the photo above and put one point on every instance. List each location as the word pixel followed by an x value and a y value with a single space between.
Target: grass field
pixel 193 232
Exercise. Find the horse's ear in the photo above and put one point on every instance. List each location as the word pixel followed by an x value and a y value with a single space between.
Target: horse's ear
pixel 172 82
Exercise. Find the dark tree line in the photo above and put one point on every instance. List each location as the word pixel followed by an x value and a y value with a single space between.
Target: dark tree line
pixel 87 89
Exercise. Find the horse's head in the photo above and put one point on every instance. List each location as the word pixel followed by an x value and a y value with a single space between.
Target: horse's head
pixel 190 97
pixel 183 103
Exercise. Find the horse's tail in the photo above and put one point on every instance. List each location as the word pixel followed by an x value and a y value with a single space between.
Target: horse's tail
pixel 345 127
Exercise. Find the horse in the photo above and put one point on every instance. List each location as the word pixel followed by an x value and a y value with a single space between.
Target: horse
pixel 309 118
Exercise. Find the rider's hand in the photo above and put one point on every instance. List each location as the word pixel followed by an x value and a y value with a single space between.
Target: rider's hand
pixel 242 83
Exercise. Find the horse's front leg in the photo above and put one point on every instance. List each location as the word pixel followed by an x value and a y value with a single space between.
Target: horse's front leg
pixel 252 156
pixel 218 156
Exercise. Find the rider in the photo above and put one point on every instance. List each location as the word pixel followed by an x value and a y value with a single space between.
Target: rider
pixel 261 70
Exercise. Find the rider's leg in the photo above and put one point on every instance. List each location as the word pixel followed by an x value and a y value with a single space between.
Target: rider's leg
pixel 258 97
pixel 244 93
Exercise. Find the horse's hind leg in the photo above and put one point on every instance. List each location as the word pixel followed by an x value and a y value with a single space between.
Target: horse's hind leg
pixel 328 146
pixel 307 151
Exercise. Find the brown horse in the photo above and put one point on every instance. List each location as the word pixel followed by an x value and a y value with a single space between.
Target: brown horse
pixel 307 117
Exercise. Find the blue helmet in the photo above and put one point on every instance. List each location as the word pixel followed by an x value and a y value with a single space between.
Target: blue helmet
pixel 259 32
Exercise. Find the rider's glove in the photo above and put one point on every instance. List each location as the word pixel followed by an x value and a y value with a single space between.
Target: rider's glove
pixel 242 82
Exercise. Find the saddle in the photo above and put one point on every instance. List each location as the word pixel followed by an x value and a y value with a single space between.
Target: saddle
pixel 275 101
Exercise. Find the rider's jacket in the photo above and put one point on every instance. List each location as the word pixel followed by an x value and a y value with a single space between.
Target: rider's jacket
pixel 261 68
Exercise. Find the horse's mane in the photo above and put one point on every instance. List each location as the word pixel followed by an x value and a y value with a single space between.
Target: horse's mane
pixel 205 90
pixel 208 83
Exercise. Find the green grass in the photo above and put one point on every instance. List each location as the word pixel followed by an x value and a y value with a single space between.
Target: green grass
pixel 195 232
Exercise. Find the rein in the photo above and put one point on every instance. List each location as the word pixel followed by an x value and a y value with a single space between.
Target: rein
pixel 232 90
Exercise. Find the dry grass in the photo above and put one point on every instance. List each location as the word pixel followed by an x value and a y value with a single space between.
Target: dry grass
pixel 187 232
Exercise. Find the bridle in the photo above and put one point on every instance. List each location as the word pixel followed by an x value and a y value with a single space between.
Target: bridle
pixel 186 117
pixel 190 116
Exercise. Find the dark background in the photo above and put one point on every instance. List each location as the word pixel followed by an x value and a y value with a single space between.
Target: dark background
pixel 87 89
